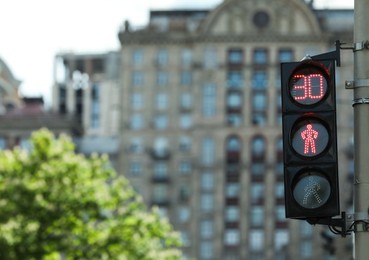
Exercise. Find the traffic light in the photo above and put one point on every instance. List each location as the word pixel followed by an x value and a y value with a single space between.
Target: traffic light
pixel 310 139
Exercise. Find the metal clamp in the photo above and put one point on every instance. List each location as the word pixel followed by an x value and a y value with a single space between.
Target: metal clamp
pixel 360 101
pixel 350 84
pixel 359 221
pixel 358 216
pixel 359 46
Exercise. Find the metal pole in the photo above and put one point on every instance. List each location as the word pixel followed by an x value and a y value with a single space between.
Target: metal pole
pixel 361 128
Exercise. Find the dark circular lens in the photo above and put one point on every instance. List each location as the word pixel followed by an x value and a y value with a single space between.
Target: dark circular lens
pixel 312 190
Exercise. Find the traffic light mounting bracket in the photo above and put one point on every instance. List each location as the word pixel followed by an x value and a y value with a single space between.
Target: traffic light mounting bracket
pixel 333 55
pixel 348 223
pixel 333 223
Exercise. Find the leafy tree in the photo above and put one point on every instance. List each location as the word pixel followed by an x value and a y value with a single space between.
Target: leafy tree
pixel 56 204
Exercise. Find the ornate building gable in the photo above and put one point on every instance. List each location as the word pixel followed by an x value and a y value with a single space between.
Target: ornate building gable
pixel 262 17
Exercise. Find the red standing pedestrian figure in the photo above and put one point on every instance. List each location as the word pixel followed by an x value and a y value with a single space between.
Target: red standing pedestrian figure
pixel 309 135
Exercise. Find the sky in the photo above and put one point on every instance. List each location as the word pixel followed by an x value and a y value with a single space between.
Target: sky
pixel 33 32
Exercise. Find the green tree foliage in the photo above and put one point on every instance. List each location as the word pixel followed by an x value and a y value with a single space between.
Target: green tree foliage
pixel 56 204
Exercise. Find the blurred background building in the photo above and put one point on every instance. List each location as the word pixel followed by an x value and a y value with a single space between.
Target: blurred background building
pixel 190 111
pixel 20 116
pixel 87 87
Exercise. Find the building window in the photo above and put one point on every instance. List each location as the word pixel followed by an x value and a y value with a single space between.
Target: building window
pixel 306 249
pixel 185 101
pixel 185 121
pixel 234 119
pixel 210 58
pixel 206 250
pixel 259 119
pixel 95 106
pixel 234 101
pixel 160 170
pixel 280 213
pixel 162 101
pixel 279 191
pixel 206 229
pixel 257 193
pixel 306 230
pixel 207 181
pixel 261 19
pixel 232 237
pixel 137 78
pixel 136 101
pixel 260 56
pixel 258 147
pixel 259 108
pixel 160 193
pixel 162 78
pixel 259 101
pixel 185 144
pixel 259 80
pixel 184 214
pixel 207 202
pixel 232 190
pixel 137 57
pixel 161 122
pixel 235 79
pixel 281 239
pixel 137 121
pixel 233 149
pixel 25 143
pixel 258 169
pixel 162 57
pixel 256 240
pixel 208 151
pixel 257 216
pixel 185 167
pixel 186 78
pixel 232 214
pixel 209 100
pixel 136 145
pixel 186 57
pixel 185 238
pixel 161 147
pixel 235 56
pixel 62 99
pixel 135 168
pixel 285 55
pixel 184 193
pixel 2 143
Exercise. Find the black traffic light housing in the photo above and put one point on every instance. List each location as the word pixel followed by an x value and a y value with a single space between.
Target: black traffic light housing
pixel 310 139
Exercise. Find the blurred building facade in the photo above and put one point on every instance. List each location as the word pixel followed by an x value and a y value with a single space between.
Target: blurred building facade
pixel 20 116
pixel 86 87
pixel 201 123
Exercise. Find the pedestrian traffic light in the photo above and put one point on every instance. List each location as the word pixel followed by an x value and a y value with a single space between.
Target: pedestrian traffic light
pixel 310 139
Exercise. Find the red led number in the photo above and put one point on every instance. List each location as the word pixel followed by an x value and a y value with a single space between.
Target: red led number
pixel 308 89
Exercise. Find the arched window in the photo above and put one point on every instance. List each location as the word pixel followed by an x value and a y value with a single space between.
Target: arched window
pixel 233 144
pixel 258 148
pixel 258 152
pixel 233 149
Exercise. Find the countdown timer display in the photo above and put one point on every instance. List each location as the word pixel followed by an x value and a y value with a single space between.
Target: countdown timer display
pixel 308 86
